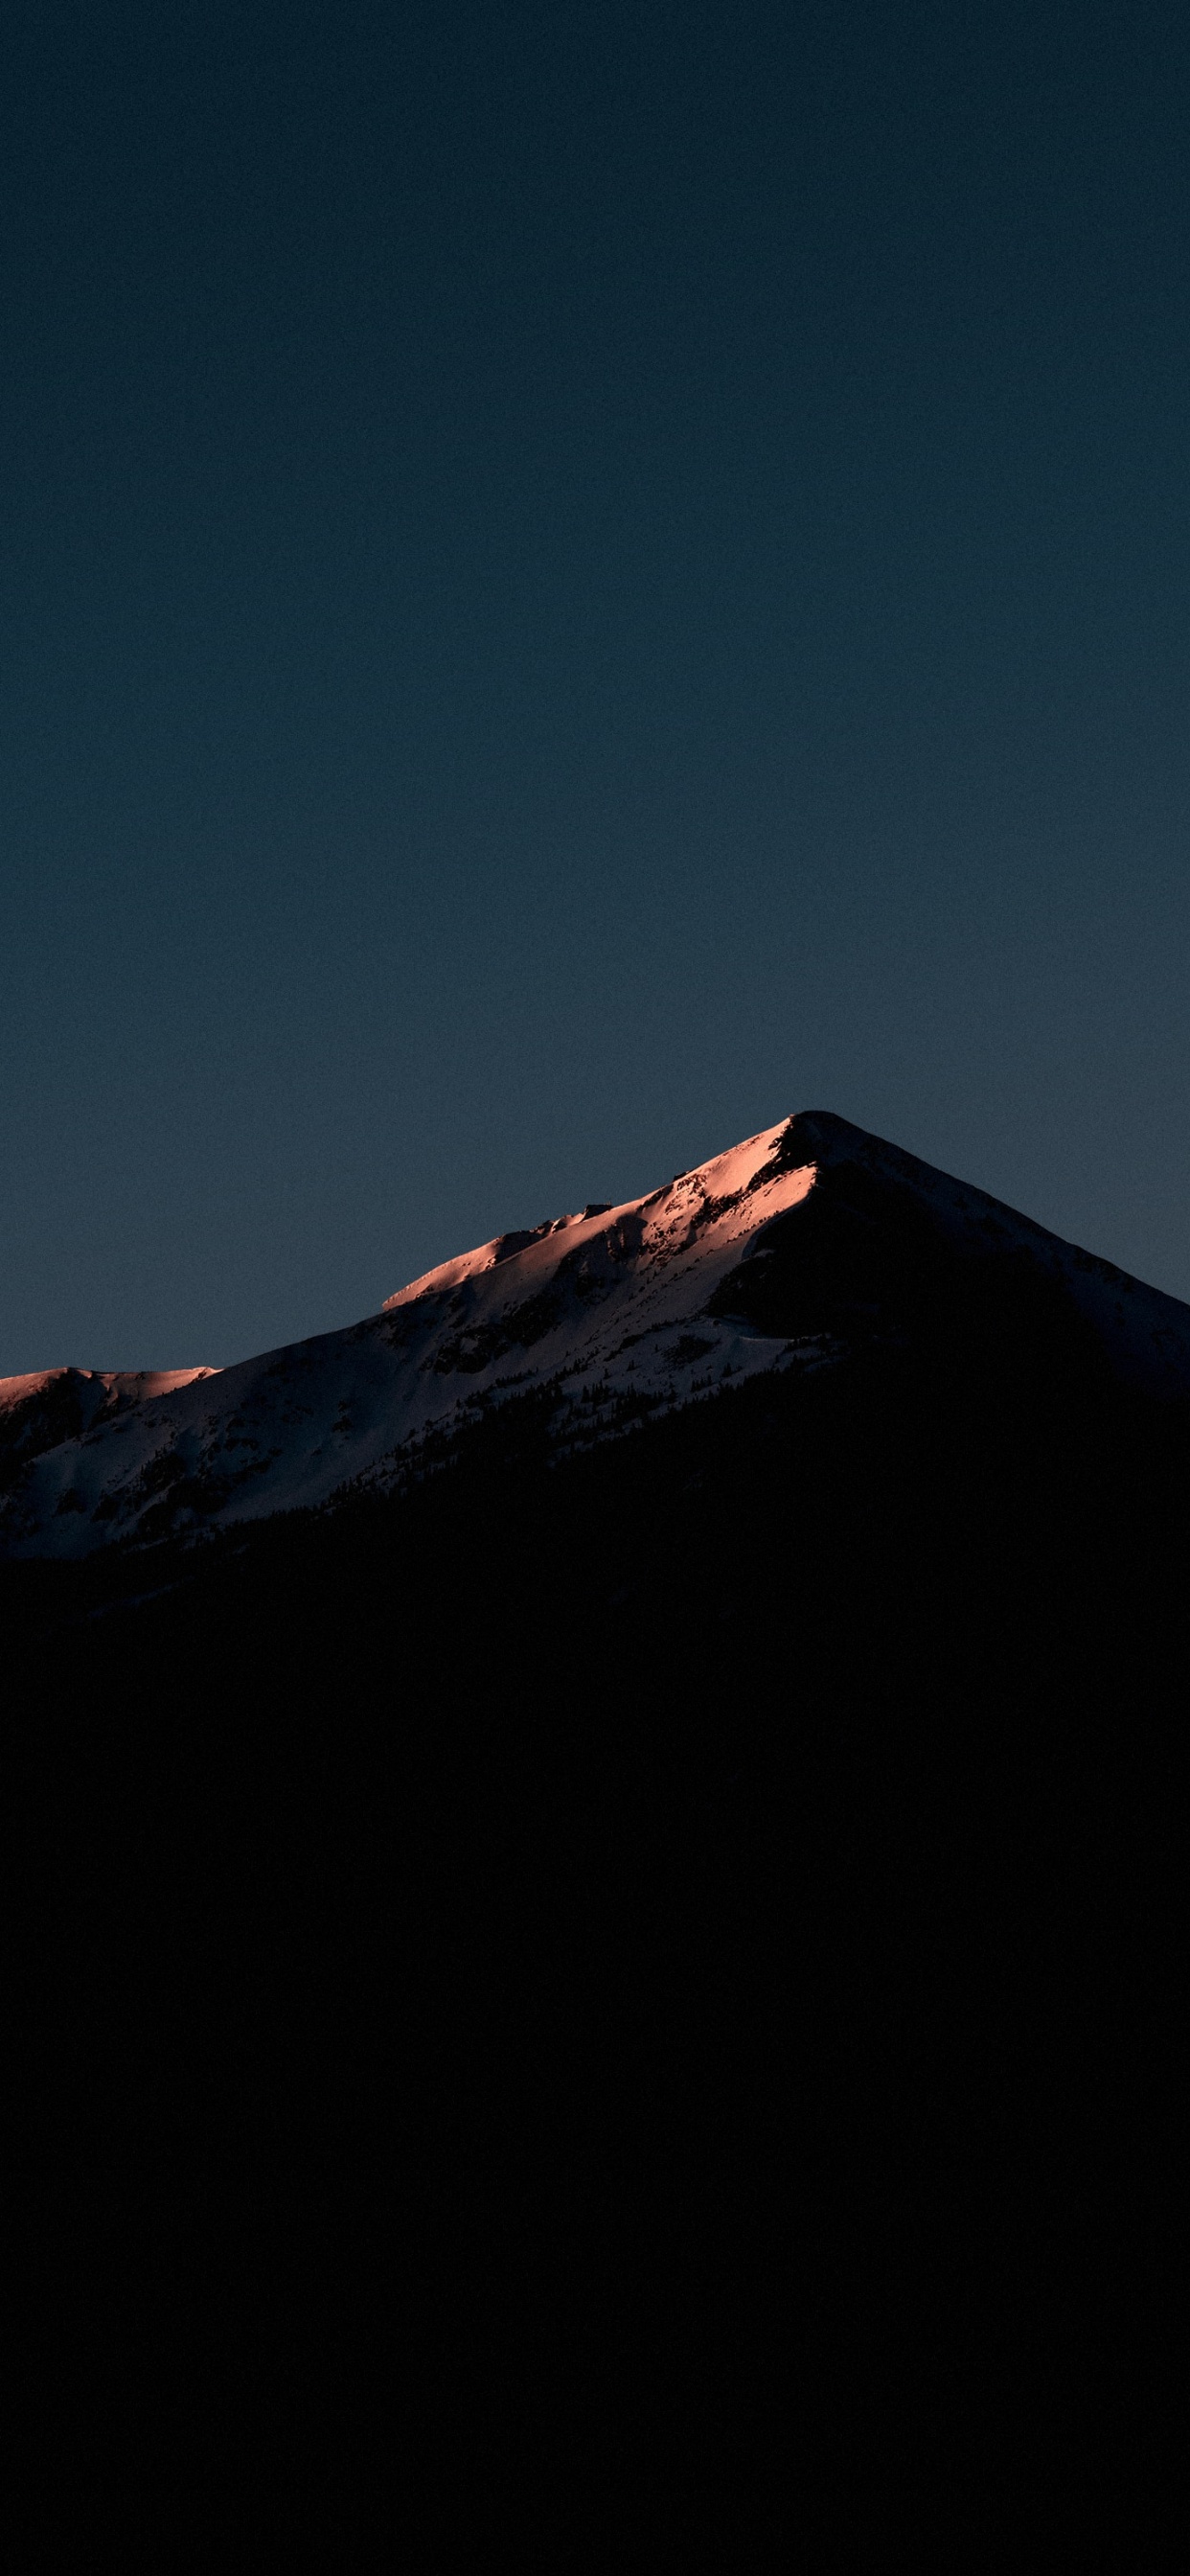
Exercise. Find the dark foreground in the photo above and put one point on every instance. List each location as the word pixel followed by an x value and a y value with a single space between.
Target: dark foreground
pixel 611 2004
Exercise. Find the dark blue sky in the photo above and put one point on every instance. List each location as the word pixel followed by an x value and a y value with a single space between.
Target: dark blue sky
pixel 575 578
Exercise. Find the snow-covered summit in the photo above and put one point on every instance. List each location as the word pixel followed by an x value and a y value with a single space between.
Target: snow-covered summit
pixel 774 1255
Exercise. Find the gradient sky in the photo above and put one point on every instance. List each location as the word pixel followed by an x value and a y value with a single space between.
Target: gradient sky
pixel 575 578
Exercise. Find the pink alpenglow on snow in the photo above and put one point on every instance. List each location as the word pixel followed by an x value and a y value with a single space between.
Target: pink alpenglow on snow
pixel 100 1390
pixel 768 1257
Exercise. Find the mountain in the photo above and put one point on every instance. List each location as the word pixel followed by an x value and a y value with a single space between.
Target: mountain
pixel 665 1900
pixel 789 1254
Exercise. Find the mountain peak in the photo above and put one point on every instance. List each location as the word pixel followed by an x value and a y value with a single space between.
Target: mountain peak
pixel 725 1177
pixel 788 1251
